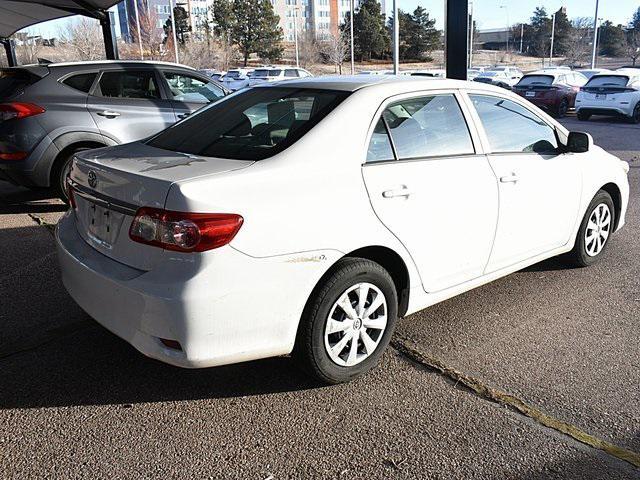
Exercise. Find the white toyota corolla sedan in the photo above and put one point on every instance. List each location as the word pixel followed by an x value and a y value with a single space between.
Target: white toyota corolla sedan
pixel 306 217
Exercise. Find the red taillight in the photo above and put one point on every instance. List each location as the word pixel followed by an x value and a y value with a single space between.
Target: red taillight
pixel 13 155
pixel 184 232
pixel 15 110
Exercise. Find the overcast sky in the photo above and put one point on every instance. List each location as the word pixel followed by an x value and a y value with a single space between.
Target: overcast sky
pixel 488 13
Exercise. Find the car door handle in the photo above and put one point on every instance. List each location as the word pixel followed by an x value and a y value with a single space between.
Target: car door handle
pixel 184 115
pixel 108 114
pixel 513 178
pixel 399 192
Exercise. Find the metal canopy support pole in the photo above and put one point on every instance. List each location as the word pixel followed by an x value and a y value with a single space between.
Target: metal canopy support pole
pixel 10 49
pixel 594 54
pixel 455 38
pixel 108 24
pixel 396 39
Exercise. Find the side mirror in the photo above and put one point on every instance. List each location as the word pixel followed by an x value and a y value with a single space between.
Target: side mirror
pixel 579 142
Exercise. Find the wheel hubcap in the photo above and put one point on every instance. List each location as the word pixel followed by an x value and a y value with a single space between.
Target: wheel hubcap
pixel 598 229
pixel 356 323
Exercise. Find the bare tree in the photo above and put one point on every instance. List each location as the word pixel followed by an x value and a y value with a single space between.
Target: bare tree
pixel 152 35
pixel 84 38
pixel 578 49
pixel 308 49
pixel 633 45
pixel 336 49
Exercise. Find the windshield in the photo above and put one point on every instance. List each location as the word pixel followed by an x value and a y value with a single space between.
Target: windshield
pixel 490 74
pixel 233 74
pixel 252 125
pixel 536 80
pixel 608 81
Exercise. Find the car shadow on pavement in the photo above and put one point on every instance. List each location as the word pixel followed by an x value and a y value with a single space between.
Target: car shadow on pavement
pixel 91 366
pixel 16 200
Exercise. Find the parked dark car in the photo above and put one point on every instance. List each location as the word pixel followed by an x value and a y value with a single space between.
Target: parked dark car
pixel 552 90
pixel 49 112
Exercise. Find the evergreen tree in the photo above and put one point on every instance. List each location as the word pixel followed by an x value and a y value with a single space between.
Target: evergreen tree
pixel 371 38
pixel 562 33
pixel 183 27
pixel 418 35
pixel 540 33
pixel 223 18
pixel 255 29
pixel 635 21
pixel 611 39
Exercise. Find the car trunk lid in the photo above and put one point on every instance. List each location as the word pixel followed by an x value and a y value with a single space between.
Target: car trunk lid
pixel 110 184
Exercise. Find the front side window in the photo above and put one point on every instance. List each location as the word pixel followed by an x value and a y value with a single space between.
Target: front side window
pixel 428 126
pixel 251 125
pixel 129 84
pixel 512 128
pixel 185 88
pixel 290 72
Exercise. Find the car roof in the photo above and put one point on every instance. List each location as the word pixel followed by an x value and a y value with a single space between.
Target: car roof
pixel 352 83
pixel 116 63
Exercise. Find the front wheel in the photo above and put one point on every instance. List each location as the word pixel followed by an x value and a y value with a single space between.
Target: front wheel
pixel 347 322
pixel 583 116
pixel 595 230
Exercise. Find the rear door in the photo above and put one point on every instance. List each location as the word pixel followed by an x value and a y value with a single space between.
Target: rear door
pixel 189 92
pixel 540 186
pixel 431 188
pixel 128 105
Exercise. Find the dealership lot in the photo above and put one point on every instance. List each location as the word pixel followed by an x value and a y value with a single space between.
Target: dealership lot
pixel 78 402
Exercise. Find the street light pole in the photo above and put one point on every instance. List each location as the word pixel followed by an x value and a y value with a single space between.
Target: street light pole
pixel 595 37
pixel 173 30
pixel 353 68
pixel 396 39
pixel 553 32
pixel 521 35
pixel 135 9
pixel 295 32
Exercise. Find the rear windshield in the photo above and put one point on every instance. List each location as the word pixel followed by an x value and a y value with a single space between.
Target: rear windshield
pixel 252 125
pixel 608 81
pixel 15 80
pixel 233 74
pixel 536 80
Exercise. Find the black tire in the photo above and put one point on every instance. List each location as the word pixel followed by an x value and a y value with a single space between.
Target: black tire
pixel 583 116
pixel 563 108
pixel 579 257
pixel 310 352
pixel 59 174
pixel 635 116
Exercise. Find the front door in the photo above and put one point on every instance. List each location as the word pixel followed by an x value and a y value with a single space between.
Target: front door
pixel 127 105
pixel 540 186
pixel 430 188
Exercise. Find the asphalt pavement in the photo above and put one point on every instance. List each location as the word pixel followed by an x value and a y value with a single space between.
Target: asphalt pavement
pixel 77 402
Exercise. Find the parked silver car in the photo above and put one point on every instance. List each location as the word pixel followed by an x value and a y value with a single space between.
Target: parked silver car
pixel 49 112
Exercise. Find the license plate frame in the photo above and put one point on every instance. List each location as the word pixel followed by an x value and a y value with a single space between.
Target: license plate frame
pixel 101 224
pixel 601 96
pixel 530 94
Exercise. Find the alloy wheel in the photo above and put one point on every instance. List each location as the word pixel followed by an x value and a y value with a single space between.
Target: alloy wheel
pixel 598 230
pixel 356 324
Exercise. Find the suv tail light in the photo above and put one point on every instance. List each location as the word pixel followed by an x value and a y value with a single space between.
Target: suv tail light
pixel 184 232
pixel 15 110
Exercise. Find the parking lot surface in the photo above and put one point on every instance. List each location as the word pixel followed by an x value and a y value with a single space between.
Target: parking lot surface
pixel 77 402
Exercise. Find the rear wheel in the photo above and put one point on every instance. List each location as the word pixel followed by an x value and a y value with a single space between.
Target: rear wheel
pixel 583 116
pixel 61 172
pixel 635 116
pixel 595 230
pixel 562 109
pixel 348 322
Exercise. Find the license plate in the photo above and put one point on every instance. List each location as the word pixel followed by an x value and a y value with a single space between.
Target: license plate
pixel 529 94
pixel 103 224
pixel 601 96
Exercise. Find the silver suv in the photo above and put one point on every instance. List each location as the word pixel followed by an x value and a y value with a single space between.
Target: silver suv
pixel 49 112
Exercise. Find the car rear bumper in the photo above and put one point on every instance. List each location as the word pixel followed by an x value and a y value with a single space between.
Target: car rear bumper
pixel 222 306
pixel 598 109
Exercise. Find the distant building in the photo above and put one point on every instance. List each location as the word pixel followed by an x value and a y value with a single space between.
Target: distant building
pixel 492 39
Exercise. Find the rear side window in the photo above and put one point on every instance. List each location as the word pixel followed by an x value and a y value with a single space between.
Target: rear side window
pixel 129 84
pixel 427 127
pixel 380 149
pixel 14 80
pixel 512 128
pixel 251 125
pixel 290 73
pixel 80 82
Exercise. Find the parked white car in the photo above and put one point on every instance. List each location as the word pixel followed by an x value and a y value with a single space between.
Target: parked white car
pixel 237 78
pixel 349 202
pixel 513 73
pixel 614 94
pixel 432 73
pixel 275 74
pixel 498 78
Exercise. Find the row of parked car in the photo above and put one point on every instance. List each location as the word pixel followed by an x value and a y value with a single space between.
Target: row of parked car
pixel 238 78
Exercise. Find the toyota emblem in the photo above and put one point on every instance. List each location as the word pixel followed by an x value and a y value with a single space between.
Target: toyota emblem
pixel 93 179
